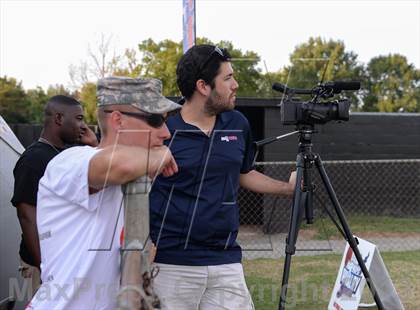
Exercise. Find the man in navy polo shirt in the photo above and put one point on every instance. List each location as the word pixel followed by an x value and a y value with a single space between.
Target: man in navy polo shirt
pixel 194 213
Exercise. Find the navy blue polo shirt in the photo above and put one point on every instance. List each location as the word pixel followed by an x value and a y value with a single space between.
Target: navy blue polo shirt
pixel 194 214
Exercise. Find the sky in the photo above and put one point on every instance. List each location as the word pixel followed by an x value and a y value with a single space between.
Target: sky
pixel 39 40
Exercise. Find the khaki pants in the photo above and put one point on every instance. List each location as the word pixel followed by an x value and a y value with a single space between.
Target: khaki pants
pixel 31 277
pixel 202 287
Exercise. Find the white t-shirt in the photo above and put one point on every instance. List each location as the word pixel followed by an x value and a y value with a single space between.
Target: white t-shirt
pixel 79 236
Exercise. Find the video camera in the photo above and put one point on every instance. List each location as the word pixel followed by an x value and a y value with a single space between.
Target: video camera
pixel 296 112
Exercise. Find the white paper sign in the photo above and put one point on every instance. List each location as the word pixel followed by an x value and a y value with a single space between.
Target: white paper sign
pixel 350 281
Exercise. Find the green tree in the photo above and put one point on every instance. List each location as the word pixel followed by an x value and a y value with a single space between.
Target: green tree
pixel 58 89
pixel 101 62
pixel 36 98
pixel 320 59
pixel 315 60
pixel 159 59
pixel 393 85
pixel 18 106
pixel 247 73
pixel 129 65
pixel 87 96
pixel 13 101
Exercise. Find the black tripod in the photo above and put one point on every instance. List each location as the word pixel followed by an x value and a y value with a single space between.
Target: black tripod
pixel 302 202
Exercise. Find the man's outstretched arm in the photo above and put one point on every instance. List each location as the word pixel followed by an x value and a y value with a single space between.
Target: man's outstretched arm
pixel 260 183
pixel 121 164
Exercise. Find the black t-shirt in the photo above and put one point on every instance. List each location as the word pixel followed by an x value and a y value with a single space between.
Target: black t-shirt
pixel 28 171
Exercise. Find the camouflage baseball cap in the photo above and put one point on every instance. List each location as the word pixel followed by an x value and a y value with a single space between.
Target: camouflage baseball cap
pixel 143 93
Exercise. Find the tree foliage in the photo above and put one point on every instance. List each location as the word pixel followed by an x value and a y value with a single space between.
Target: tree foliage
pixel 159 59
pixel 13 104
pixel 246 71
pixel 101 61
pixel 321 60
pixel 389 83
pixel 20 106
pixel 87 96
pixel 36 99
pixel 393 85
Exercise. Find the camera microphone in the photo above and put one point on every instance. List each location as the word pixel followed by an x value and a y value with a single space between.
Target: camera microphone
pixel 279 87
pixel 338 86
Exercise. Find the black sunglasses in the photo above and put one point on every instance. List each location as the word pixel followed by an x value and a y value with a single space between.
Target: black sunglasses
pixel 217 51
pixel 153 120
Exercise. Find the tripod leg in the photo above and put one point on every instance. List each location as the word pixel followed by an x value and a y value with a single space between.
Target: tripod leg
pixel 293 229
pixel 349 235
pixel 308 191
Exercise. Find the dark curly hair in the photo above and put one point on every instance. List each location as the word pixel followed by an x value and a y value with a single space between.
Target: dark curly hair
pixel 199 62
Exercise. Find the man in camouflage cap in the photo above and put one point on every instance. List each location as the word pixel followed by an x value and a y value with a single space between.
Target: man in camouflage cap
pixel 142 93
pixel 80 197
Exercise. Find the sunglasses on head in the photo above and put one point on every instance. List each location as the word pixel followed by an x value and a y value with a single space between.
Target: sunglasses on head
pixel 216 51
pixel 153 120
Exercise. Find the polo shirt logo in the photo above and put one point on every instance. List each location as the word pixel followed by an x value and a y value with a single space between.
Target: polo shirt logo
pixel 228 138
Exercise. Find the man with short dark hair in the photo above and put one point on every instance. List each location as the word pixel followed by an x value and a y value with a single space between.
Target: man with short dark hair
pixel 63 126
pixel 80 198
pixel 194 213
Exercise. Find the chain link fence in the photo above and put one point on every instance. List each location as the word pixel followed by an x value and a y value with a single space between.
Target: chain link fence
pixel 380 198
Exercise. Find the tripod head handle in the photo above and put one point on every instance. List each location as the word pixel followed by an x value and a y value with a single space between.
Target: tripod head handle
pixel 273 139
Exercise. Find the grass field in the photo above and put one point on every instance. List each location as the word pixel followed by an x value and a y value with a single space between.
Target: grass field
pixel 312 279
pixel 371 225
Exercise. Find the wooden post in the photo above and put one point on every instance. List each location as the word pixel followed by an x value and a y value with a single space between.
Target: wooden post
pixel 136 280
